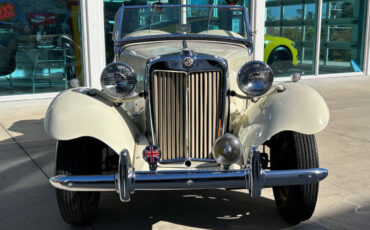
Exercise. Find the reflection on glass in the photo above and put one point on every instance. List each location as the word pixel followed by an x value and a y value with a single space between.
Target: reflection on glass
pixel 339 9
pixel 296 27
pixel 273 31
pixel 342 36
pixel 309 33
pixel 310 11
pixel 308 55
pixel 40 46
pixel 273 13
pixel 293 12
pixel 293 33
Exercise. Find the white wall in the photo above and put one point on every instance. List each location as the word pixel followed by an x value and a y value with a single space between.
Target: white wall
pixel 93 41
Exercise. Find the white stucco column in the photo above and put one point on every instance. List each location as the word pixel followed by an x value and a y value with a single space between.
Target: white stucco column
pixel 257 17
pixel 93 41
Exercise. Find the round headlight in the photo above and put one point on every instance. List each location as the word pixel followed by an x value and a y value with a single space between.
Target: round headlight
pixel 118 80
pixel 255 78
pixel 227 149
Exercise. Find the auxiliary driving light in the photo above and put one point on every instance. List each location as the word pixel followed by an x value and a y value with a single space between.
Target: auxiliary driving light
pixel 227 149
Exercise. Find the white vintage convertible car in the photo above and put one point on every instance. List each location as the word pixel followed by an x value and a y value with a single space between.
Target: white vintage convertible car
pixel 184 106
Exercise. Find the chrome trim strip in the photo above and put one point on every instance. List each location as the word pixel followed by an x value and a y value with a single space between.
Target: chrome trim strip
pixel 226 102
pixel 187 141
pixel 92 92
pixel 180 37
pixel 318 37
pixel 178 160
pixel 186 5
pixel 203 160
pixel 190 179
pixel 182 160
pixel 248 29
pixel 294 177
pixel 148 87
pixel 102 183
pixel 119 26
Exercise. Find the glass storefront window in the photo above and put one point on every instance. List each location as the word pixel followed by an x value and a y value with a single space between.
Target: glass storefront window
pixel 273 13
pixel 293 33
pixel 40 44
pixel 290 36
pixel 309 33
pixel 342 36
pixel 292 12
pixel 310 10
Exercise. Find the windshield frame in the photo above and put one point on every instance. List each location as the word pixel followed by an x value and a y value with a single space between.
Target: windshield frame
pixel 125 41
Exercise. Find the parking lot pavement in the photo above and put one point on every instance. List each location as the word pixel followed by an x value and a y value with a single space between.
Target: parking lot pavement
pixel 27 201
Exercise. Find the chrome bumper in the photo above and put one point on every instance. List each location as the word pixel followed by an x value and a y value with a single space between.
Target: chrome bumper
pixel 126 181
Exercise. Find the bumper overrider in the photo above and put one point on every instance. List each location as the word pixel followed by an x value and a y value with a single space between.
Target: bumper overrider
pixel 126 181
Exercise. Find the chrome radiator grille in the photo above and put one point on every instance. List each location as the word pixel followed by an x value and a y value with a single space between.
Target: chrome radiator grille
pixel 186 111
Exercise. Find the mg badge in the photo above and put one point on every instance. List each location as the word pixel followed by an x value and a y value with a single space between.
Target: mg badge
pixel 188 61
pixel 152 155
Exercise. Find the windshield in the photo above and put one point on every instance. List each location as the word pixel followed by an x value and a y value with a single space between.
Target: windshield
pixel 190 20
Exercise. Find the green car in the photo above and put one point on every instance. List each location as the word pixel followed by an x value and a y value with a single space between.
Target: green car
pixel 279 53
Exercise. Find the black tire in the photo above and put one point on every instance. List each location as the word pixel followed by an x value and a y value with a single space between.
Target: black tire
pixel 280 60
pixel 292 150
pixel 81 156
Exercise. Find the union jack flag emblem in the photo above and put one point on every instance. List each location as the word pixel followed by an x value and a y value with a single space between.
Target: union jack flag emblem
pixel 152 154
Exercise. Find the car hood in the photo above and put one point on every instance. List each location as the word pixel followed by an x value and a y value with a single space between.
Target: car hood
pixel 137 55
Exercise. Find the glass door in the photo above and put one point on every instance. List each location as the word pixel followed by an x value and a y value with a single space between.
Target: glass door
pixel 291 28
pixel 342 36
pixel 290 35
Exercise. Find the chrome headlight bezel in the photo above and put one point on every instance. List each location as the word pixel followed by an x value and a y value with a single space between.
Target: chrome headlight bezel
pixel 255 72
pixel 119 72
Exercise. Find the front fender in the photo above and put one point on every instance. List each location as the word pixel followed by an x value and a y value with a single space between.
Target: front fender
pixel 74 114
pixel 298 108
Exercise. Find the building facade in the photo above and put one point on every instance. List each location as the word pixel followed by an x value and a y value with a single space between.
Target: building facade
pixel 46 43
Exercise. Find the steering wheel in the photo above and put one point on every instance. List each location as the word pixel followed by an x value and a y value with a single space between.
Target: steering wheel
pixel 69 44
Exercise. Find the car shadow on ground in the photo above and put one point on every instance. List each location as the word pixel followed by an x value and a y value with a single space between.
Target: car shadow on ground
pixel 27 200
pixel 32 139
pixel 209 209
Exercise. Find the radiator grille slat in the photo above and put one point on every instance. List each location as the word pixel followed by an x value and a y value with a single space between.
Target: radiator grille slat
pixel 186 112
